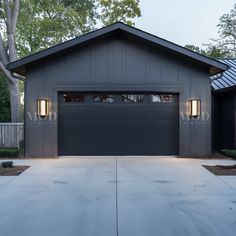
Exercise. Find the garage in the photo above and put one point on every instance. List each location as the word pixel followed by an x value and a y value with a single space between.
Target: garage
pixel 118 124
pixel 117 91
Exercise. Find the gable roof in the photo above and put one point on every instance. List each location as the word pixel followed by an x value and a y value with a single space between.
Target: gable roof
pixel 20 65
pixel 227 79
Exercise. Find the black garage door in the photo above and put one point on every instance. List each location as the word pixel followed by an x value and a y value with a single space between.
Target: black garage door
pixel 118 124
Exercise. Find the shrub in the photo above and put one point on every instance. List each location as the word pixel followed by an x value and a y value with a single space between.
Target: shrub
pixel 9 152
pixel 7 164
pixel 229 153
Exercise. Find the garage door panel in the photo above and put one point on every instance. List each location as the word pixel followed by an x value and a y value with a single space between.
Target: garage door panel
pixel 74 134
pixel 73 112
pixel 103 133
pixel 118 128
pixel 105 112
pixel 163 112
pixel 165 138
pixel 125 112
pixel 146 112
pixel 117 112
pixel 132 134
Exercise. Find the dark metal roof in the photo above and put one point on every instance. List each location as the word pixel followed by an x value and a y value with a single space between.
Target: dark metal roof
pixel 214 66
pixel 227 79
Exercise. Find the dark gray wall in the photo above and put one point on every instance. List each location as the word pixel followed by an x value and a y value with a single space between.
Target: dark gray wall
pixel 117 64
pixel 224 122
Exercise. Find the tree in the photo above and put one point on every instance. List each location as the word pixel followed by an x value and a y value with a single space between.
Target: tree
pixel 5 109
pixel 226 43
pixel 195 49
pixel 215 52
pixel 210 51
pixel 9 12
pixel 44 23
pixel 116 10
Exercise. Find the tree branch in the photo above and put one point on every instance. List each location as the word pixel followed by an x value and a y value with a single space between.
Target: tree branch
pixel 58 13
pixel 8 16
pixel 19 77
pixel 3 51
pixel 1 12
pixel 15 15
pixel 6 73
pixel 45 9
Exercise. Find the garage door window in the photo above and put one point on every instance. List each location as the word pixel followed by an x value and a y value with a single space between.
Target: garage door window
pixel 79 98
pixel 104 98
pixel 132 98
pixel 163 98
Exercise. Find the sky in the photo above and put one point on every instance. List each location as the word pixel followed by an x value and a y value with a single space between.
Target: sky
pixel 183 21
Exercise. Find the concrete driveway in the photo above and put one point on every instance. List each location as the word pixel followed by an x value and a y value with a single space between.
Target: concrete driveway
pixel 139 196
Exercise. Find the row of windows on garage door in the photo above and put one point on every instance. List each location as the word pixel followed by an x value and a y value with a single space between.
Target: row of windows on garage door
pixel 123 98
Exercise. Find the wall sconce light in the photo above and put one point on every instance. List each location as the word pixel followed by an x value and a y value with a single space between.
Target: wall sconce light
pixel 42 107
pixel 194 107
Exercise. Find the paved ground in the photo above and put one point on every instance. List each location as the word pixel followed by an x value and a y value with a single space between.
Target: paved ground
pixel 124 196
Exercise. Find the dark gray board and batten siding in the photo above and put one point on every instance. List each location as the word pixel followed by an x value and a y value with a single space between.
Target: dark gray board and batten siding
pixel 224 121
pixel 117 64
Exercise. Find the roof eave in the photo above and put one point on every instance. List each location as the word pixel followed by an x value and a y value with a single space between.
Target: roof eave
pixel 224 90
pixel 216 70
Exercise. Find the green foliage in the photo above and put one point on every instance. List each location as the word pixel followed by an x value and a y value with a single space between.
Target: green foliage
pixel 9 152
pixel 225 45
pixel 229 153
pixel 214 52
pixel 211 51
pixel 119 10
pixel 5 109
pixel 227 33
pixel 44 23
pixel 195 49
pixel 7 164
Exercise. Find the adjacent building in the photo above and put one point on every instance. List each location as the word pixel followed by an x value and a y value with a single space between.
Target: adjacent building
pixel 224 107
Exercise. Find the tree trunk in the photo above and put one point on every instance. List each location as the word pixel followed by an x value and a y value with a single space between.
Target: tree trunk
pixel 15 101
pixel 14 87
pixel 12 47
pixel 12 12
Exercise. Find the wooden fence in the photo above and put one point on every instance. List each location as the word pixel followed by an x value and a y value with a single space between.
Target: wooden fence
pixel 11 134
